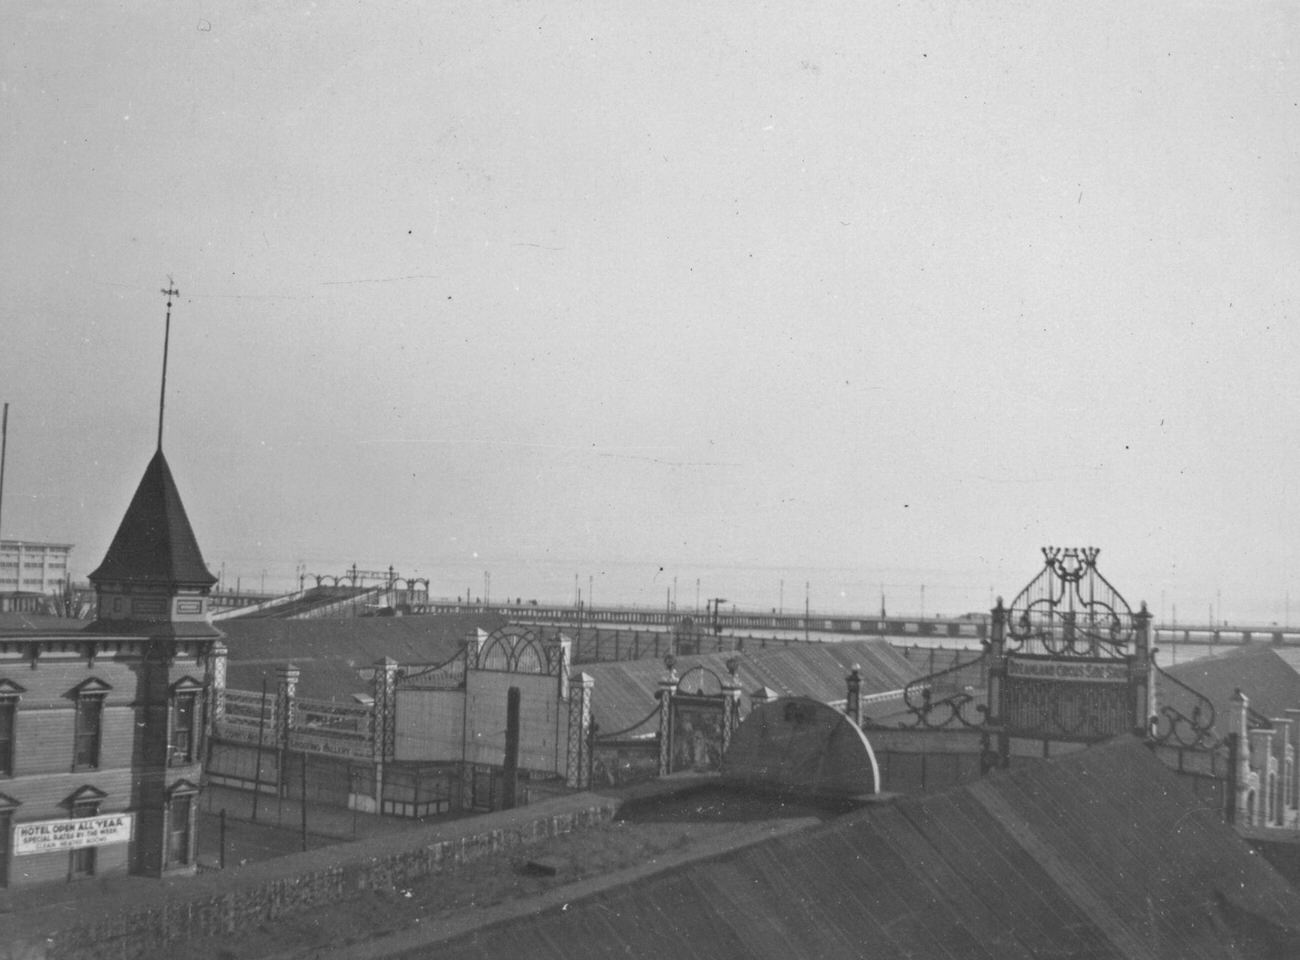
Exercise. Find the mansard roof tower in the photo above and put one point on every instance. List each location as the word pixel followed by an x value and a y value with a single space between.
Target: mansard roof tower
pixel 153 580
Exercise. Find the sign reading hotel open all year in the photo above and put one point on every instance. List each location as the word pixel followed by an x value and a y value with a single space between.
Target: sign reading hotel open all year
pixel 47 836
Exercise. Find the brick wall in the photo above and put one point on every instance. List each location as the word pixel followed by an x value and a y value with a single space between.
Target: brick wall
pixel 221 903
pixel 43 775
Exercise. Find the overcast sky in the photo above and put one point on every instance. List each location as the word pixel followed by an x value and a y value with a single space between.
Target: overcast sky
pixel 902 291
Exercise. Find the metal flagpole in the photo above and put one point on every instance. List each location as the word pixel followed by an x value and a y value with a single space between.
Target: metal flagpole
pixel 170 292
pixel 4 444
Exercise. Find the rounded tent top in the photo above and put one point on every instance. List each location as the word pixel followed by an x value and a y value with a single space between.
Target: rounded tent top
pixel 802 746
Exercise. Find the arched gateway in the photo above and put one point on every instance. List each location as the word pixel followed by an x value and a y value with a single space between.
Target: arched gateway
pixel 1068 663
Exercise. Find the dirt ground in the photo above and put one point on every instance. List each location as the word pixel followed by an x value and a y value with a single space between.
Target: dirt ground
pixel 648 832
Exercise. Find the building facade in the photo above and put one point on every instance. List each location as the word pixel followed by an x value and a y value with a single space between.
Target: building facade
pixel 31 571
pixel 101 729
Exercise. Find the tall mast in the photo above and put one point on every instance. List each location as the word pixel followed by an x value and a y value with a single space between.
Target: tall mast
pixel 170 292
pixel 4 443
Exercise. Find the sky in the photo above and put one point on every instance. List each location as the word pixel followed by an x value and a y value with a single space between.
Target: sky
pixel 869 297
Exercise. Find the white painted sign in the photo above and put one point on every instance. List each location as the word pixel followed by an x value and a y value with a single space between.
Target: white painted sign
pixel 47 836
pixel 1110 671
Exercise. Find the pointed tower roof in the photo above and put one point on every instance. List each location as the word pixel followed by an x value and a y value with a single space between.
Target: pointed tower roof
pixel 155 543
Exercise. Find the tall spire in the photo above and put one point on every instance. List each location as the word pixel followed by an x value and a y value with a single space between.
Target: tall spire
pixel 170 292
pixel 153 577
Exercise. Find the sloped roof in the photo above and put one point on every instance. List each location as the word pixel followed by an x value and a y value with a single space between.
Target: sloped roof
pixel 331 653
pixel 1261 671
pixel 155 543
pixel 11 622
pixel 336 680
pixel 1103 853
pixel 300 604
pixel 624 692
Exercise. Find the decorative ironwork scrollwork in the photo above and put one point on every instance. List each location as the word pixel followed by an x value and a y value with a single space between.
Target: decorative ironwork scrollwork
pixel 1071 610
pixel 450 673
pixel 1068 710
pixel 1174 727
pixel 956 696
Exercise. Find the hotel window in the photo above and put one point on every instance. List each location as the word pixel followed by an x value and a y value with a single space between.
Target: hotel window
pixel 8 711
pixel 89 729
pixel 81 862
pixel 184 713
pixel 178 829
pixel 6 831
pixel 183 726
pixel 8 808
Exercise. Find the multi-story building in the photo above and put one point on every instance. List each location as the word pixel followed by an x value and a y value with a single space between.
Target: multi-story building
pixel 101 728
pixel 30 571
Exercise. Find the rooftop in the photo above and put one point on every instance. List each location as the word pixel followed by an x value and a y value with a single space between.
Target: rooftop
pixel 1102 853
pixel 331 653
pixel 155 542
pixel 625 690
pixel 1267 674
pixel 1099 854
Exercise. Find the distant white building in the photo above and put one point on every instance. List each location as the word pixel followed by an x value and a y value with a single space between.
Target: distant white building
pixel 28 567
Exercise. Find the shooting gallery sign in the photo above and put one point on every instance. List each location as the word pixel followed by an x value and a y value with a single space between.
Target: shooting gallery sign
pixel 47 836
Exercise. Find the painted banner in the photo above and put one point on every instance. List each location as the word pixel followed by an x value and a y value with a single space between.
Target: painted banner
pixel 1109 671
pixel 345 744
pixel 47 836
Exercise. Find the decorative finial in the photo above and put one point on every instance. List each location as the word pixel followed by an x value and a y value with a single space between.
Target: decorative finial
pixel 170 292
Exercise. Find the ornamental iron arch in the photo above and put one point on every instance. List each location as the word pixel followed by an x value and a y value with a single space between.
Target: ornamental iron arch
pixel 518 649
pixel 1071 611
pixel 700 681
pixel 1068 660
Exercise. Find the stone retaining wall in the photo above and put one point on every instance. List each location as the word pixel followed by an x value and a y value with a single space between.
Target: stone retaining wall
pixel 221 903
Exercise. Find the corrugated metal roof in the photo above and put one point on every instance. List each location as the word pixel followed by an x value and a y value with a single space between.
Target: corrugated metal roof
pixel 331 653
pixel 1263 672
pixel 624 691
pixel 1099 854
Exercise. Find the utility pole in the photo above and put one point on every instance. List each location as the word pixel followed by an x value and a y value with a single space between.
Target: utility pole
pixel 714 620
pixel 4 443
